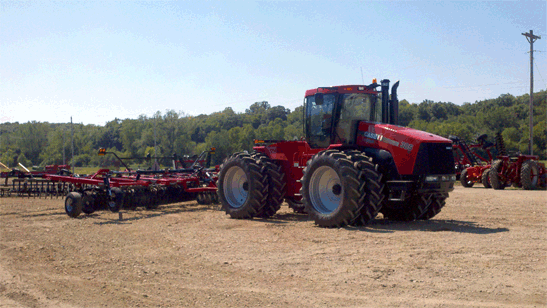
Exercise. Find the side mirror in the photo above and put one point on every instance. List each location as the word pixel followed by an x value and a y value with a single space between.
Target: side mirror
pixel 318 99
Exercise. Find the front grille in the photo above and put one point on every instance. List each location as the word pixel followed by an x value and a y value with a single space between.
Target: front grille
pixel 434 158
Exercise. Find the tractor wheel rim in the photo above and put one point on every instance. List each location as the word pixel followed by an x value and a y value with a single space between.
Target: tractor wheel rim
pixel 236 187
pixel 325 190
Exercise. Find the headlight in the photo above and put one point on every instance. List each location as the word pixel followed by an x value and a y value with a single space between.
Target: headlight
pixel 431 178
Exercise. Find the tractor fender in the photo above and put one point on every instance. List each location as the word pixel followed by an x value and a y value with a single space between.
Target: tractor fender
pixel 384 160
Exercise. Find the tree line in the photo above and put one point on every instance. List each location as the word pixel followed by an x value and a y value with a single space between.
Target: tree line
pixel 42 143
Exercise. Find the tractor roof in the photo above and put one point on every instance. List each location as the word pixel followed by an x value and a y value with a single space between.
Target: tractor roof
pixel 370 89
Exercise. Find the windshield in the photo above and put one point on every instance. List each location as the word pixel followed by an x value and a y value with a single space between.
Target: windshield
pixel 357 107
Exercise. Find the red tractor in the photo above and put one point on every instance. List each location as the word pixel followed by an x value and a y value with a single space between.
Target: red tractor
pixel 355 161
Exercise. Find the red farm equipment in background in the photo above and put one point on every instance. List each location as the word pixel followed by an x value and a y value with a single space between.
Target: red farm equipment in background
pixel 354 162
pixel 29 183
pixel 471 166
pixel 516 170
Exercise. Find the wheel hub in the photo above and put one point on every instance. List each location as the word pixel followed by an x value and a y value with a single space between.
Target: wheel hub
pixel 326 190
pixel 236 187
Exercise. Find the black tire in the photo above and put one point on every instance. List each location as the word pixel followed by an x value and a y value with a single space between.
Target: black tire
pixel 373 197
pixel 276 185
pixel 88 203
pixel 463 179
pixel 415 208
pixel 437 203
pixel 296 205
pixel 200 198
pixel 73 204
pixel 152 198
pixel 494 175
pixel 116 200
pixel 130 200
pixel 485 179
pixel 529 175
pixel 543 180
pixel 334 189
pixel 242 186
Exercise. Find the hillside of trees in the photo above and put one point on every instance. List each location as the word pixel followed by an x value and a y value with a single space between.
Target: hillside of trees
pixel 40 144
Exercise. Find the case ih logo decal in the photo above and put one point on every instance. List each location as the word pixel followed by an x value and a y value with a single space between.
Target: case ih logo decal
pixel 372 135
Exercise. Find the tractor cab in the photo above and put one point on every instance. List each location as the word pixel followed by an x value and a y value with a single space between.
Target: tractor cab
pixel 332 114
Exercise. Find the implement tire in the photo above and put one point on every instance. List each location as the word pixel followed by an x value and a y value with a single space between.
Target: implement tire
pixel 242 186
pixel 463 179
pixel 334 189
pixel 116 200
pixel 485 179
pixel 529 175
pixel 276 184
pixel 88 203
pixel 494 175
pixel 73 204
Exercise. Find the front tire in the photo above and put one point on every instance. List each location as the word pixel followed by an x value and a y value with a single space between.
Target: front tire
pixel 333 189
pixel 437 203
pixel 415 208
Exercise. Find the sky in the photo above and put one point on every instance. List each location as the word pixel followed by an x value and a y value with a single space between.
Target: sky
pixel 96 61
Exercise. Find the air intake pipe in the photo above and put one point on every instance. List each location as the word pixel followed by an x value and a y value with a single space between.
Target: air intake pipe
pixel 394 105
pixel 385 101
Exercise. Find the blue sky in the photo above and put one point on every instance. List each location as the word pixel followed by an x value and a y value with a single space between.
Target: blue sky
pixel 96 61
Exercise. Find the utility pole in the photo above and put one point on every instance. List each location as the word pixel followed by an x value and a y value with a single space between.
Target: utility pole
pixel 531 39
pixel 72 129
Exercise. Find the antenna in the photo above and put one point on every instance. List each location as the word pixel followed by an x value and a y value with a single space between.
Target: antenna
pixel 363 78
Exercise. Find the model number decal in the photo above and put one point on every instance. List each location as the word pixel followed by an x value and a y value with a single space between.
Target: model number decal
pixel 407 146
pixel 402 145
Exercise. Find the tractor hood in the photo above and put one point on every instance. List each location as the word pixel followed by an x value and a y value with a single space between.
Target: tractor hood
pixel 413 133
pixel 402 142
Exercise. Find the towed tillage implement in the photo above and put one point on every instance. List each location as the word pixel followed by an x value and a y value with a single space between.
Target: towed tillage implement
pixel 138 188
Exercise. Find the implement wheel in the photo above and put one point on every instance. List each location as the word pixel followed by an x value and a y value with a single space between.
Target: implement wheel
pixel 116 200
pixel 334 189
pixel 242 186
pixel 529 175
pixel 494 175
pixel 463 179
pixel 88 203
pixel 485 179
pixel 73 204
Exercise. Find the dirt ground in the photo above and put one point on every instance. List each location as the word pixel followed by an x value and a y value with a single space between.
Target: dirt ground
pixel 485 249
